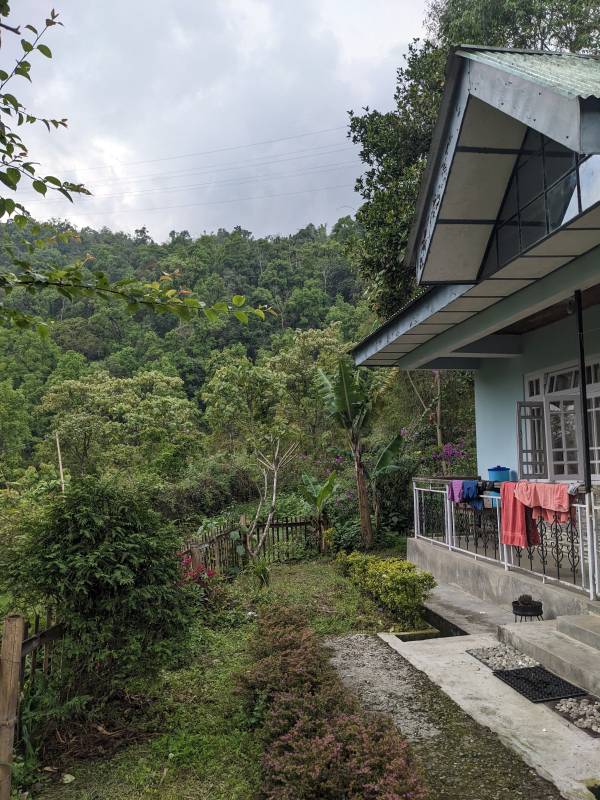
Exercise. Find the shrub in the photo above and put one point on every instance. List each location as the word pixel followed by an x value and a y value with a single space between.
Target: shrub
pixel 351 757
pixel 108 564
pixel 318 741
pixel 346 536
pixel 394 583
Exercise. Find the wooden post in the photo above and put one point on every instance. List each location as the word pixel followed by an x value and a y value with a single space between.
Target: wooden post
pixel 10 670
pixel 195 553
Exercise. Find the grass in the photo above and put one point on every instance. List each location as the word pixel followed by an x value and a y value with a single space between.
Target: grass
pixel 205 749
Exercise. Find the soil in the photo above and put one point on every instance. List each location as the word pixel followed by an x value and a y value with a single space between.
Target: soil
pixel 460 759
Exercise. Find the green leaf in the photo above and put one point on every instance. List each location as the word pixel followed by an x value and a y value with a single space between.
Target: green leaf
pixel 40 187
pixel 211 314
pixel 238 300
pixel 32 29
pixel 20 220
pixel 241 316
pixel 27 46
pixel 45 50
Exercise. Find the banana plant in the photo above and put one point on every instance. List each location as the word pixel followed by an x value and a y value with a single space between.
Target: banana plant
pixel 317 495
pixel 347 399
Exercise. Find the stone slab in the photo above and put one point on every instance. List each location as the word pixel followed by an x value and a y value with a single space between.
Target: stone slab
pixel 469 613
pixel 583 627
pixel 572 660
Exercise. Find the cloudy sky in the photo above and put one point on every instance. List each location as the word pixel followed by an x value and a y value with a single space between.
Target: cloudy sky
pixel 210 113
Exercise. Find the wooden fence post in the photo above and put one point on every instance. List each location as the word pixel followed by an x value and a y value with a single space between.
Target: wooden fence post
pixel 10 671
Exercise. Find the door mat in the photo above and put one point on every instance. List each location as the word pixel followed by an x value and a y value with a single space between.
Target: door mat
pixel 538 685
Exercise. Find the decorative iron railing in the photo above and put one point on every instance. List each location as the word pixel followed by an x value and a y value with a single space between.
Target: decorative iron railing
pixel 567 553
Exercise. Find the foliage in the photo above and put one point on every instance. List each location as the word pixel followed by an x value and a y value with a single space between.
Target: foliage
pixel 398 585
pixel 107 564
pixel 348 401
pixel 346 536
pixel 318 742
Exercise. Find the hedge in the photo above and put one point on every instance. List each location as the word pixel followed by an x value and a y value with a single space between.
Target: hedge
pixel 318 741
pixel 394 583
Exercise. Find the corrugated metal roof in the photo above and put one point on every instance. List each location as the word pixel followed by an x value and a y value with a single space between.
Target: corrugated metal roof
pixel 570 74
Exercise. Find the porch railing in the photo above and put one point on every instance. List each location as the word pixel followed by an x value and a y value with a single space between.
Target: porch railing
pixel 568 553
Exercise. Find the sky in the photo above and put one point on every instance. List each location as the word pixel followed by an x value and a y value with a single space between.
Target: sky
pixel 209 114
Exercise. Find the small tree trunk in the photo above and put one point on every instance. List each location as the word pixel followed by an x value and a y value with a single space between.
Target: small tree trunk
pixel 364 510
pixel 438 418
pixel 376 509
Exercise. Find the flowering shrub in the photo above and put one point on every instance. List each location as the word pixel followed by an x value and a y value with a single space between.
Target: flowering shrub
pixel 200 575
pixel 450 453
pixel 394 583
pixel 318 741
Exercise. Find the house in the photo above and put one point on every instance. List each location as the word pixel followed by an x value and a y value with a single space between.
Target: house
pixel 506 248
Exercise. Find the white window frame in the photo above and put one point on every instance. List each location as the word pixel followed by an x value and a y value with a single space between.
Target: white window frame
pixel 593 391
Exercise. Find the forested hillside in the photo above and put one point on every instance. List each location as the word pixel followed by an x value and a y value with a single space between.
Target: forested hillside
pixel 180 407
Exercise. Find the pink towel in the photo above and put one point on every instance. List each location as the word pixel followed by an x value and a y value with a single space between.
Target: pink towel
pixel 455 491
pixel 517 526
pixel 545 500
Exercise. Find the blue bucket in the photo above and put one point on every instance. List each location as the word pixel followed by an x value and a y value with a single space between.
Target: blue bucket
pixel 498 474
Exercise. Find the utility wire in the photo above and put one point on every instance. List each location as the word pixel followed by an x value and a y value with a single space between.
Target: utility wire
pixel 229 181
pixel 218 149
pixel 216 202
pixel 260 161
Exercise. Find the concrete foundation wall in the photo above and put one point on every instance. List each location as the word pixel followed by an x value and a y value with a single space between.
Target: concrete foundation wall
pixel 493 583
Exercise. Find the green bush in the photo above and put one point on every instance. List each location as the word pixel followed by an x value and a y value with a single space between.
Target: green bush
pixel 108 565
pixel 394 583
pixel 346 536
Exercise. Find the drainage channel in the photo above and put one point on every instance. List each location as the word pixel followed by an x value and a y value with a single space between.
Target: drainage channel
pixel 438 628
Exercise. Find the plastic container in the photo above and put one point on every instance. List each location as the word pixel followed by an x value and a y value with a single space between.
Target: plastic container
pixel 498 474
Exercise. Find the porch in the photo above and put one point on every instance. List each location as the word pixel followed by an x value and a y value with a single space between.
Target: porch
pixel 567 556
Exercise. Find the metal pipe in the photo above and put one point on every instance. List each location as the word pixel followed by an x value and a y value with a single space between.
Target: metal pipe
pixel 587 466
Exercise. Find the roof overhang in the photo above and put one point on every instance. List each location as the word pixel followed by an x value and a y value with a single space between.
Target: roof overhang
pixel 473 318
pixel 490 100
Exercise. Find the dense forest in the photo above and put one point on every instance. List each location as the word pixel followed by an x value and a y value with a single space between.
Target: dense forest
pixel 180 407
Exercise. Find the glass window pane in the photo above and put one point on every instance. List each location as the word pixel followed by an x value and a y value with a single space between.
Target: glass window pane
pixel 572 469
pixel 508 241
pixel 559 469
pixel 531 179
pixel 562 201
pixel 533 222
pixel 558 160
pixel 509 207
pixel 589 181
pixel 491 262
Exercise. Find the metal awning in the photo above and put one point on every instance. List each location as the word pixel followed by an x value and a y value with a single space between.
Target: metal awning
pixel 493 99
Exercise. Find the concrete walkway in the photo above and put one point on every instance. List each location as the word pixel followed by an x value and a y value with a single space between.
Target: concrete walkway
pixel 557 750
pixel 459 758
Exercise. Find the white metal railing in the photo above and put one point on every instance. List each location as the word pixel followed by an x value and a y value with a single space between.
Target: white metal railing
pixel 568 553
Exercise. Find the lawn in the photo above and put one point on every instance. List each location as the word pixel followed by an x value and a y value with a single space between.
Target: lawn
pixel 202 747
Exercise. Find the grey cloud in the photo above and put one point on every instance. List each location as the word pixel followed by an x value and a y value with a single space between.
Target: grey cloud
pixel 145 80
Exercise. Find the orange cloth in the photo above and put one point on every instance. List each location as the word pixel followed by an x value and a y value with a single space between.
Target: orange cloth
pixel 545 500
pixel 517 526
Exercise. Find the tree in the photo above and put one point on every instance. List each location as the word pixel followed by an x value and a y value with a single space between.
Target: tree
pixel 347 400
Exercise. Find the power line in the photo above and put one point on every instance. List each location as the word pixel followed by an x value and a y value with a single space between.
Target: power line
pixel 326 149
pixel 217 202
pixel 250 179
pixel 216 150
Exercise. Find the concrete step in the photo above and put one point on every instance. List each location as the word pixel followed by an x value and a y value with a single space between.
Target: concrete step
pixel 571 659
pixel 583 627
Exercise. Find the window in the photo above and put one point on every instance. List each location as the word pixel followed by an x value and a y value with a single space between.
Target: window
pixel 550 429
pixel 550 184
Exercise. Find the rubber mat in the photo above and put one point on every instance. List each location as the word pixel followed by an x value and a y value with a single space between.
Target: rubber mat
pixel 537 684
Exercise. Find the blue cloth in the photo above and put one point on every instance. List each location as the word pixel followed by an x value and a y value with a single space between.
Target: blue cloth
pixel 470 493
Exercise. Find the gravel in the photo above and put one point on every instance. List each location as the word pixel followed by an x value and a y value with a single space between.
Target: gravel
pixel 502 656
pixel 583 712
pixel 459 759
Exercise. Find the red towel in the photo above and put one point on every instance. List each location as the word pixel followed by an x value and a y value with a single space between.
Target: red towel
pixel 546 500
pixel 517 525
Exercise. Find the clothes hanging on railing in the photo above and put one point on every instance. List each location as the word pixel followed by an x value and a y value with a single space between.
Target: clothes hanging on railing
pixel 517 526
pixel 548 501
pixel 460 491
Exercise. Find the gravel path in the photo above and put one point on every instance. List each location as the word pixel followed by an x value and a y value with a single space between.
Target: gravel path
pixel 461 760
